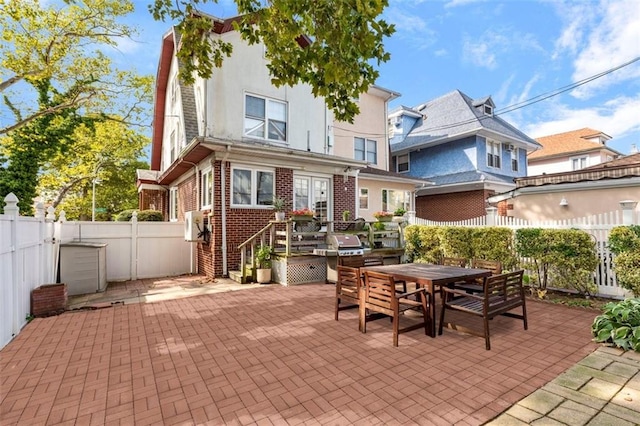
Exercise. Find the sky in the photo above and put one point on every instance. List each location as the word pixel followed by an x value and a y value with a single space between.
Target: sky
pixel 512 50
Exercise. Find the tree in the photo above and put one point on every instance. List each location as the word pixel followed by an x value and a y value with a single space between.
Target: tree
pixel 107 152
pixel 54 79
pixel 61 46
pixel 345 41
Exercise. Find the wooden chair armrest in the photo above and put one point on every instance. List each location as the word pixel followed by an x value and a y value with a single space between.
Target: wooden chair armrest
pixel 409 293
pixel 461 293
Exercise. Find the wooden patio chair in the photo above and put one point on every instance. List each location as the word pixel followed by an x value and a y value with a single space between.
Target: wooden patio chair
pixel 476 286
pixel 454 261
pixel 347 289
pixel 379 299
pixel 501 294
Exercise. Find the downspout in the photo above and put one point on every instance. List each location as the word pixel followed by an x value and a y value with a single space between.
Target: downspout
pixel 223 206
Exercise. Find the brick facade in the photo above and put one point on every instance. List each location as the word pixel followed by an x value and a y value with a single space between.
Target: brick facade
pixel 454 206
pixel 154 199
pixel 344 197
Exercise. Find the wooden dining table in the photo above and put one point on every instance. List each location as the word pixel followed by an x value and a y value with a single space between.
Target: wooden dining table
pixel 429 276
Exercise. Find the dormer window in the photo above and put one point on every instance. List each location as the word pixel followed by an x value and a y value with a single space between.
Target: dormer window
pixel 488 109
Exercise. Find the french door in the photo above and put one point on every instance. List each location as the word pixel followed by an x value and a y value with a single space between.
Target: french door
pixel 313 193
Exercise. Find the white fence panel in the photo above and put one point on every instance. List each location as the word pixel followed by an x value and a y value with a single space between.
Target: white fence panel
pixel 162 250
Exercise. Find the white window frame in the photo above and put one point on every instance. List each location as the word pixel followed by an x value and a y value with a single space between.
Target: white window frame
pixel 206 186
pixel 369 152
pixel 493 158
pixel 487 109
pixel 173 204
pixel 582 162
pixel 173 154
pixel 389 206
pixel 363 195
pixel 253 186
pixel 266 119
pixel 515 160
pixel 398 162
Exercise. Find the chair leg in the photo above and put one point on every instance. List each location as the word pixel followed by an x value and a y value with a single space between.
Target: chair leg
pixel 524 314
pixel 444 304
pixel 396 327
pixel 486 333
pixel 362 320
pixel 337 307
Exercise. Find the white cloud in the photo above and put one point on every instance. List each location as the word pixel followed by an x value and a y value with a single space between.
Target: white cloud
pixel 479 53
pixel 456 3
pixel 618 117
pixel 411 28
pixel 598 36
pixel 441 52
pixel 484 50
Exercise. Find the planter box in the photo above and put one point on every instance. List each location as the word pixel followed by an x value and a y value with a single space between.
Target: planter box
pixel 50 299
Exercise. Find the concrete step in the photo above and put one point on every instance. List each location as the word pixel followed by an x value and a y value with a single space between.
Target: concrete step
pixel 237 277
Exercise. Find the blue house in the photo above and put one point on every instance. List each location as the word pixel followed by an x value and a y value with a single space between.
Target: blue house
pixel 460 145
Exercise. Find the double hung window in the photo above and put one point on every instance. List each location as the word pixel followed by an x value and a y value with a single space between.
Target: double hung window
pixel 206 185
pixel 393 199
pixel 493 154
pixel 514 160
pixel 578 163
pixel 173 204
pixel 366 150
pixel 364 198
pixel 252 187
pixel 265 118
pixel 402 165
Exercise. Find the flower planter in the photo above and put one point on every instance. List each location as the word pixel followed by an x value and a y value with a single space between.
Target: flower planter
pixel 302 218
pixel 385 218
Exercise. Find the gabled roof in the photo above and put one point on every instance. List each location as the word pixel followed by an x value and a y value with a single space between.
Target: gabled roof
pixel 454 116
pixel 373 173
pixel 575 141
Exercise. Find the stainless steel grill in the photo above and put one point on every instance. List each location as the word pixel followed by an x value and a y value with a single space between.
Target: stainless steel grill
pixel 339 245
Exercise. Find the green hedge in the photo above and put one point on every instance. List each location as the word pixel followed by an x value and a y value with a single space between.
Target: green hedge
pixel 565 256
pixel 624 242
pixel 143 216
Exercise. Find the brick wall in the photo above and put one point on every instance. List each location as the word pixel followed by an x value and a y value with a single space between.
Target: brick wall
pixel 49 300
pixel 344 197
pixel 187 197
pixel 155 200
pixel 453 206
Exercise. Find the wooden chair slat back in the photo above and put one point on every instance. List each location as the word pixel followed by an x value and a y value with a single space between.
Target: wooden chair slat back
pixel 349 278
pixel 351 261
pixel 380 289
pixel 495 287
pixel 454 261
pixel 513 286
pixel 493 265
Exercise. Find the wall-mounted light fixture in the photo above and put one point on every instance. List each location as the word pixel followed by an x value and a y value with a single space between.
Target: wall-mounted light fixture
pixel 564 202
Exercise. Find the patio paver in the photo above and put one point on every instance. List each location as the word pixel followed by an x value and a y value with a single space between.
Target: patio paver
pixel 274 355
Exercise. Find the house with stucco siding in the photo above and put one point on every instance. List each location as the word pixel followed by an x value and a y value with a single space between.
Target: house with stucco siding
pixel 463 147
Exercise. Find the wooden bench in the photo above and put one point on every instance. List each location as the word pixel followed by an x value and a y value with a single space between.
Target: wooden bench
pixel 501 294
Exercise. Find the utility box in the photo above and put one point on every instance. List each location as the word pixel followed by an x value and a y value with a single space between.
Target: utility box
pixel 83 267
pixel 193 225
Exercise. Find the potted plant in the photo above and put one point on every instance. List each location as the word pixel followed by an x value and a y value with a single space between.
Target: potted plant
pixel 263 264
pixel 400 211
pixel 302 215
pixel 346 215
pixel 279 205
pixel 383 216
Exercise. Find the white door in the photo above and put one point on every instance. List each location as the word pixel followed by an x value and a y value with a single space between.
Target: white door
pixel 313 193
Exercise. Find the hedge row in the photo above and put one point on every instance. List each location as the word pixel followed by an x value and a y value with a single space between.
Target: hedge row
pixel 143 216
pixel 566 257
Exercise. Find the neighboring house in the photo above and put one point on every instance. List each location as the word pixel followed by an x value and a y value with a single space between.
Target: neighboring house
pixel 590 191
pixel 460 145
pixel 228 145
pixel 569 151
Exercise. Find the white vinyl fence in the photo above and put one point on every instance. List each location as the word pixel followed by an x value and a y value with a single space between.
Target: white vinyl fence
pixel 29 253
pixel 598 226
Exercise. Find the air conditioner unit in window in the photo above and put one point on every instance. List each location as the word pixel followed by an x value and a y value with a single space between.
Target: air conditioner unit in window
pixel 396 120
pixel 508 147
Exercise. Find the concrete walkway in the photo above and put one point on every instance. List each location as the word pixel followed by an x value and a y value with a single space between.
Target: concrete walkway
pixel 274 355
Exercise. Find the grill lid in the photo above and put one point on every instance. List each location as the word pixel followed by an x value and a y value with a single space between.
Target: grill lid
pixel 344 241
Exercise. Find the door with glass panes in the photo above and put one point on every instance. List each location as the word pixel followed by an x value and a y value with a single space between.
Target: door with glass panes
pixel 313 193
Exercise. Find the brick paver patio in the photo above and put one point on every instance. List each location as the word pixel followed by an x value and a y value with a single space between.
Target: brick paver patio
pixel 274 355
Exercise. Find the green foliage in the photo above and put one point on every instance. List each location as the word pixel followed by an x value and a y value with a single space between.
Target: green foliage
pixel 263 256
pixel 342 44
pixel 379 226
pixel 400 211
pixel 150 216
pixel 125 215
pixel 143 216
pixel 455 241
pixel 422 244
pixel 619 325
pixel 566 256
pixel 624 238
pixel 493 243
pixel 279 204
pixel 624 242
